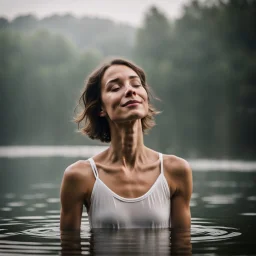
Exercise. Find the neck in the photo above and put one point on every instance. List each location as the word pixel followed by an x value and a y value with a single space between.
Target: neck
pixel 127 143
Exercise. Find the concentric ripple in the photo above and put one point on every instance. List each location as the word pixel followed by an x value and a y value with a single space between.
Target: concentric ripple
pixel 47 227
pixel 50 231
pixel 201 233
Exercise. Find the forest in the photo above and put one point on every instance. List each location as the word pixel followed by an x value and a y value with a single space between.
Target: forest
pixel 201 68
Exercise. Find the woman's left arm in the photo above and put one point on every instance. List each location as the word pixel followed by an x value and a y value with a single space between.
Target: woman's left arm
pixel 181 176
pixel 180 209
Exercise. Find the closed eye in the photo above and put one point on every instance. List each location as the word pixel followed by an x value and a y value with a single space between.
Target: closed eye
pixel 115 88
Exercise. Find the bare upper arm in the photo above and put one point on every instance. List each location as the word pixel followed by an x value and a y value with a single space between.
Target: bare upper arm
pixel 74 191
pixel 180 176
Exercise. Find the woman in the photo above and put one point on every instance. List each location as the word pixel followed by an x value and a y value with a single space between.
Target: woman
pixel 128 185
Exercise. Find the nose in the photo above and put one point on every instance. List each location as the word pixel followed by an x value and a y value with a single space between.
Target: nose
pixel 129 91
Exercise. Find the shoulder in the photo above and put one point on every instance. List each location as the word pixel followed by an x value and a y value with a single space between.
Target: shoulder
pixel 176 166
pixel 80 167
pixel 78 173
pixel 178 173
pixel 77 170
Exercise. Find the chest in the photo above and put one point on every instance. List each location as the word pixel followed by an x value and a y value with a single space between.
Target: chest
pixel 116 213
pixel 129 184
pixel 151 210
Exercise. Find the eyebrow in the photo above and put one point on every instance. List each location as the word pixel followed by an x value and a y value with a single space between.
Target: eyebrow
pixel 118 79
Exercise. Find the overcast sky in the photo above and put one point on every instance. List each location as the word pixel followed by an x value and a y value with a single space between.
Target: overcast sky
pixel 129 11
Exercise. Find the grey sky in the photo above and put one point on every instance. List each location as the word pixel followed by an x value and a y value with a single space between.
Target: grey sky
pixel 129 11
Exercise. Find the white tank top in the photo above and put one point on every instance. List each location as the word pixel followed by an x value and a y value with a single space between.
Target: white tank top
pixel 151 210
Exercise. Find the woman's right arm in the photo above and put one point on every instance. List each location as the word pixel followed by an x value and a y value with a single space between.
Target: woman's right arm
pixel 72 196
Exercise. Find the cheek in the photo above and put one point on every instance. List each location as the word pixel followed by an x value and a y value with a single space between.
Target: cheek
pixel 146 106
pixel 144 93
pixel 146 100
pixel 110 103
pixel 145 96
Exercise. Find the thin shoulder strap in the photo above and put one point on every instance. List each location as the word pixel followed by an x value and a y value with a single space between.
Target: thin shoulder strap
pixel 94 168
pixel 161 162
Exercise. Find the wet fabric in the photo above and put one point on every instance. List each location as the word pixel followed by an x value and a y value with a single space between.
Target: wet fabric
pixel 109 210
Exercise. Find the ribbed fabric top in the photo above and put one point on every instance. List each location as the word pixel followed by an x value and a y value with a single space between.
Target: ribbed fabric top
pixel 109 210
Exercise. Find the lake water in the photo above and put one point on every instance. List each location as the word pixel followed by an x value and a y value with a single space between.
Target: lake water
pixel 223 209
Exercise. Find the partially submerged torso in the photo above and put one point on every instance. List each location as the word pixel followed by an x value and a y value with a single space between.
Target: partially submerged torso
pixel 113 207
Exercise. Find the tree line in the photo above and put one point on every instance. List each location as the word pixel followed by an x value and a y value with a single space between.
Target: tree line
pixel 201 66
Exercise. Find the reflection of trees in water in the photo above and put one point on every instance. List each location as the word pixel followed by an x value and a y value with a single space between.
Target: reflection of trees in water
pixel 128 242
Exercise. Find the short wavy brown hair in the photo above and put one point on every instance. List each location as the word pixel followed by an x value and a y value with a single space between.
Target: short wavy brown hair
pixel 88 119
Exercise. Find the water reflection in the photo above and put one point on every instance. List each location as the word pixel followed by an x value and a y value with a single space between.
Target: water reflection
pixel 128 242
pixel 45 229
pixel 16 204
pixel 230 184
pixel 9 195
pixel 29 217
pixel 249 214
pixel 221 199
pixel 251 198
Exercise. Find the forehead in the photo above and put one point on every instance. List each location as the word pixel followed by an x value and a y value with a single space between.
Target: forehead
pixel 117 71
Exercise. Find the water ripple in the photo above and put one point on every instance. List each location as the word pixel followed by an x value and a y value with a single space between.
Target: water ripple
pixel 41 236
pixel 201 233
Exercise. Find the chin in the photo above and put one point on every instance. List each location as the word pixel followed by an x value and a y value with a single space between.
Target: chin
pixel 131 117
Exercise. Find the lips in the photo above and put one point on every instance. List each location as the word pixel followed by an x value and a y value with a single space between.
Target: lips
pixel 130 102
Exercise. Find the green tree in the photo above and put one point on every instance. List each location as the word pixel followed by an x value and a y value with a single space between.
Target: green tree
pixel 202 68
pixel 41 75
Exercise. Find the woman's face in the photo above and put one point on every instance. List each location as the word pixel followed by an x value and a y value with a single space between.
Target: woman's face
pixel 123 96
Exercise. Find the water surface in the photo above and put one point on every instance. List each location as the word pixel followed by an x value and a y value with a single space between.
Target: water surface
pixel 223 208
